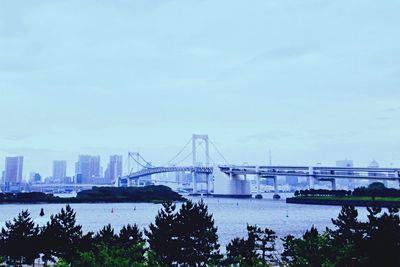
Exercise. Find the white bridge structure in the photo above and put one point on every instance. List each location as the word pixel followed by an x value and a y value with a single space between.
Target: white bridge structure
pixel 232 180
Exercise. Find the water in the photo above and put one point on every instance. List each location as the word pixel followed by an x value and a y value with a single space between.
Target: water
pixel 231 215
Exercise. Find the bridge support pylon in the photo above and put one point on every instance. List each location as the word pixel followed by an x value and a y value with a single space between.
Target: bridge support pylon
pixel 204 138
pixel 258 180
pixel 333 181
pixel 311 179
pixel 276 191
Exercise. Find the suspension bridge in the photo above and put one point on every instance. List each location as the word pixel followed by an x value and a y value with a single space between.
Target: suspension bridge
pixel 231 180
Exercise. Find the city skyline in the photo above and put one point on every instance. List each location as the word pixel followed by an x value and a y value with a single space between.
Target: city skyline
pixel 312 81
pixel 114 166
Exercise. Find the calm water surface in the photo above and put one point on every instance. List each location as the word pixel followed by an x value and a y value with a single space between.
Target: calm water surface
pixel 231 215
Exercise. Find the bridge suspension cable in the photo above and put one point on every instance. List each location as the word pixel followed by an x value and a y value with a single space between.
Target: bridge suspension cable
pixel 179 153
pixel 145 161
pixel 188 155
pixel 219 153
pixel 138 162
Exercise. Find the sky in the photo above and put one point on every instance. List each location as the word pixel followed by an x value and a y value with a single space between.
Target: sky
pixel 311 81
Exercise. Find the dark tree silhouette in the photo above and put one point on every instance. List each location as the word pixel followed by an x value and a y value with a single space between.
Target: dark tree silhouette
pixel 20 240
pixel 162 235
pixel 197 235
pixel 131 241
pixel 257 249
pixel 383 238
pixel 61 236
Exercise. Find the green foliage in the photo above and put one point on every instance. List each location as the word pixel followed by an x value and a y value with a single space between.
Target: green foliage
pixel 353 243
pixel 257 250
pixel 196 234
pixel 161 235
pixel 61 236
pixel 186 238
pixel 133 194
pixel 20 233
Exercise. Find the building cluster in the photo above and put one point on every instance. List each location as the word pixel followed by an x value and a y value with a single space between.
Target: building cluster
pixel 88 170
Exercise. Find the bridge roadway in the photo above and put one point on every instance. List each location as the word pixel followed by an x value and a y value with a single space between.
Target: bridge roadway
pixel 272 172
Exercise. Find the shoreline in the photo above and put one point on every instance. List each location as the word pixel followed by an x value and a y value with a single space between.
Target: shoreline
pixel 341 202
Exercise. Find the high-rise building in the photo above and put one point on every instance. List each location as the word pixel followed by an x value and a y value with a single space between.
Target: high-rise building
pixel 115 167
pixel 59 169
pixel 95 169
pixel 88 167
pixel 13 170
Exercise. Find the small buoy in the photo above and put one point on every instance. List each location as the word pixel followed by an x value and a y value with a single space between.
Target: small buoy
pixel 134 208
pixel 112 210
pixel 41 213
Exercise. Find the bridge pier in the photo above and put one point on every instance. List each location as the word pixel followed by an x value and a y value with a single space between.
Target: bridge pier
pixel 333 181
pixel 311 181
pixel 258 180
pixel 276 191
pixel 194 182
pixel 208 183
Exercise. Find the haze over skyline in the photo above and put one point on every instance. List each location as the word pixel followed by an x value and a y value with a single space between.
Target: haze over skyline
pixel 312 81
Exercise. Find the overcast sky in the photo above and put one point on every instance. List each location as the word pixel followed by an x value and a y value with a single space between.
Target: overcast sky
pixel 313 81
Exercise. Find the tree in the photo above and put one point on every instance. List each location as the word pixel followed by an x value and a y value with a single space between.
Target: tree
pixel 257 249
pixel 131 240
pixel 242 252
pixel 313 249
pixel 347 238
pixel 196 235
pixel 162 235
pixel 104 256
pixel 19 240
pixel 106 236
pixel 383 237
pixel 61 236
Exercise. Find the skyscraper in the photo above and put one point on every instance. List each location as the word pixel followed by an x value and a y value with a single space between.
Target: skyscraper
pixel 115 167
pixel 59 169
pixel 88 167
pixel 95 168
pixel 13 170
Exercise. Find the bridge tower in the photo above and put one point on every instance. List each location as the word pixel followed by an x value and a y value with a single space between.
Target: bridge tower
pixel 202 138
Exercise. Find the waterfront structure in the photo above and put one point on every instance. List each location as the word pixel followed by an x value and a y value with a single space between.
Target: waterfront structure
pixel 13 170
pixel 59 169
pixel 232 179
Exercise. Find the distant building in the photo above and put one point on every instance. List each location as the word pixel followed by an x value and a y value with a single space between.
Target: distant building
pixel 87 167
pixel 95 168
pixel 35 177
pixel 59 169
pixel 13 170
pixel 114 168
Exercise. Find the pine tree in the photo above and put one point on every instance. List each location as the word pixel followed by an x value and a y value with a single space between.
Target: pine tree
pixel 20 238
pixel 61 236
pixel 348 236
pixel 383 237
pixel 131 241
pixel 256 249
pixel 106 236
pixel 162 235
pixel 196 235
